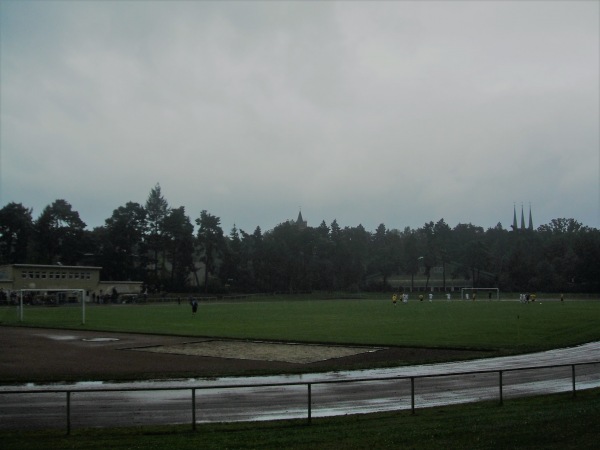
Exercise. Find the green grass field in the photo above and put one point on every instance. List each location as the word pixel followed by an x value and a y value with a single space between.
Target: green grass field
pixel 549 422
pixel 500 325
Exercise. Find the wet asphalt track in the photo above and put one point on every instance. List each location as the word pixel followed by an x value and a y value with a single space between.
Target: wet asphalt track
pixel 214 402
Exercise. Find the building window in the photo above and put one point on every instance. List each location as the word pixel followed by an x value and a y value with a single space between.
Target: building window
pixel 23 274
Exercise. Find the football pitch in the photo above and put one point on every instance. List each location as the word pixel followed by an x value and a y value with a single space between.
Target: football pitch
pixel 506 326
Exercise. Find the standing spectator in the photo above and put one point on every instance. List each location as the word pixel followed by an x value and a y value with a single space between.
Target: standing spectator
pixel 194 304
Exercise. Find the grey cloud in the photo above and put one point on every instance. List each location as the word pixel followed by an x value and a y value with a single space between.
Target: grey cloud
pixel 393 112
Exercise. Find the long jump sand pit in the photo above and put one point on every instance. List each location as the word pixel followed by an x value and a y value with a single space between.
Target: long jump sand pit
pixel 261 350
pixel 33 354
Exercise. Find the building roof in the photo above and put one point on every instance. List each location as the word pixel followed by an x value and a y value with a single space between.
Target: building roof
pixel 51 266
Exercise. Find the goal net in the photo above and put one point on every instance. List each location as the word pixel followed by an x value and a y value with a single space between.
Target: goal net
pixel 479 293
pixel 52 297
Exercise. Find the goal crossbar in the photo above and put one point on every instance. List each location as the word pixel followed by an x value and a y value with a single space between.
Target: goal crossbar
pixel 466 290
pixel 81 293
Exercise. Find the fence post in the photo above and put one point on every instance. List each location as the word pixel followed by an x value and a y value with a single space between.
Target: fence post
pixel 68 413
pixel 500 384
pixel 309 402
pixel 193 409
pixel 412 395
pixel 573 377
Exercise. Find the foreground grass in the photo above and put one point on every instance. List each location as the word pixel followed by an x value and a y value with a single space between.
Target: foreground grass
pixel 507 326
pixel 549 422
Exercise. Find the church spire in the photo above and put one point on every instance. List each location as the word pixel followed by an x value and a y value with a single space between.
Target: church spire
pixel 300 222
pixel 514 225
pixel 530 219
pixel 522 218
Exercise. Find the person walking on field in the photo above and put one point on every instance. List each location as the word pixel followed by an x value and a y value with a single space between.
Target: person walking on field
pixel 194 304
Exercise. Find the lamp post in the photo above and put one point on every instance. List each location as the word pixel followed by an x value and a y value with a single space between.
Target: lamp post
pixel 419 259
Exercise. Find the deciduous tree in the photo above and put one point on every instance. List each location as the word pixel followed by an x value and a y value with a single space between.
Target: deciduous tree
pixel 59 234
pixel 16 227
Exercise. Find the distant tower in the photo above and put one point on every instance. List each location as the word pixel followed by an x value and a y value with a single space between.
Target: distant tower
pixel 515 225
pixel 301 223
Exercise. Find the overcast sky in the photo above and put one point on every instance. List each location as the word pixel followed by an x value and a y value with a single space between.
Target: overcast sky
pixel 392 112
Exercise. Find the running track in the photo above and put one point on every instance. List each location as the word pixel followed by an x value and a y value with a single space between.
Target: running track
pixel 215 403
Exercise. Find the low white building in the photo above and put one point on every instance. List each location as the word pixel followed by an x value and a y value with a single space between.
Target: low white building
pixel 15 277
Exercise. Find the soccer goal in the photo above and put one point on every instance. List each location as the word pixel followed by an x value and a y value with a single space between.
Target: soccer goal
pixel 52 297
pixel 481 293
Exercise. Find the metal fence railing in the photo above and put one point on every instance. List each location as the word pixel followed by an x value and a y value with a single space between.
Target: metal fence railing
pixel 193 407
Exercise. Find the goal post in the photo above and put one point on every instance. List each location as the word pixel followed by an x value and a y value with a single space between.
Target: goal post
pixel 80 297
pixel 469 291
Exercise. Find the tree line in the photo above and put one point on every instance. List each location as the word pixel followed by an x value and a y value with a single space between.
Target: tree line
pixel 159 245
